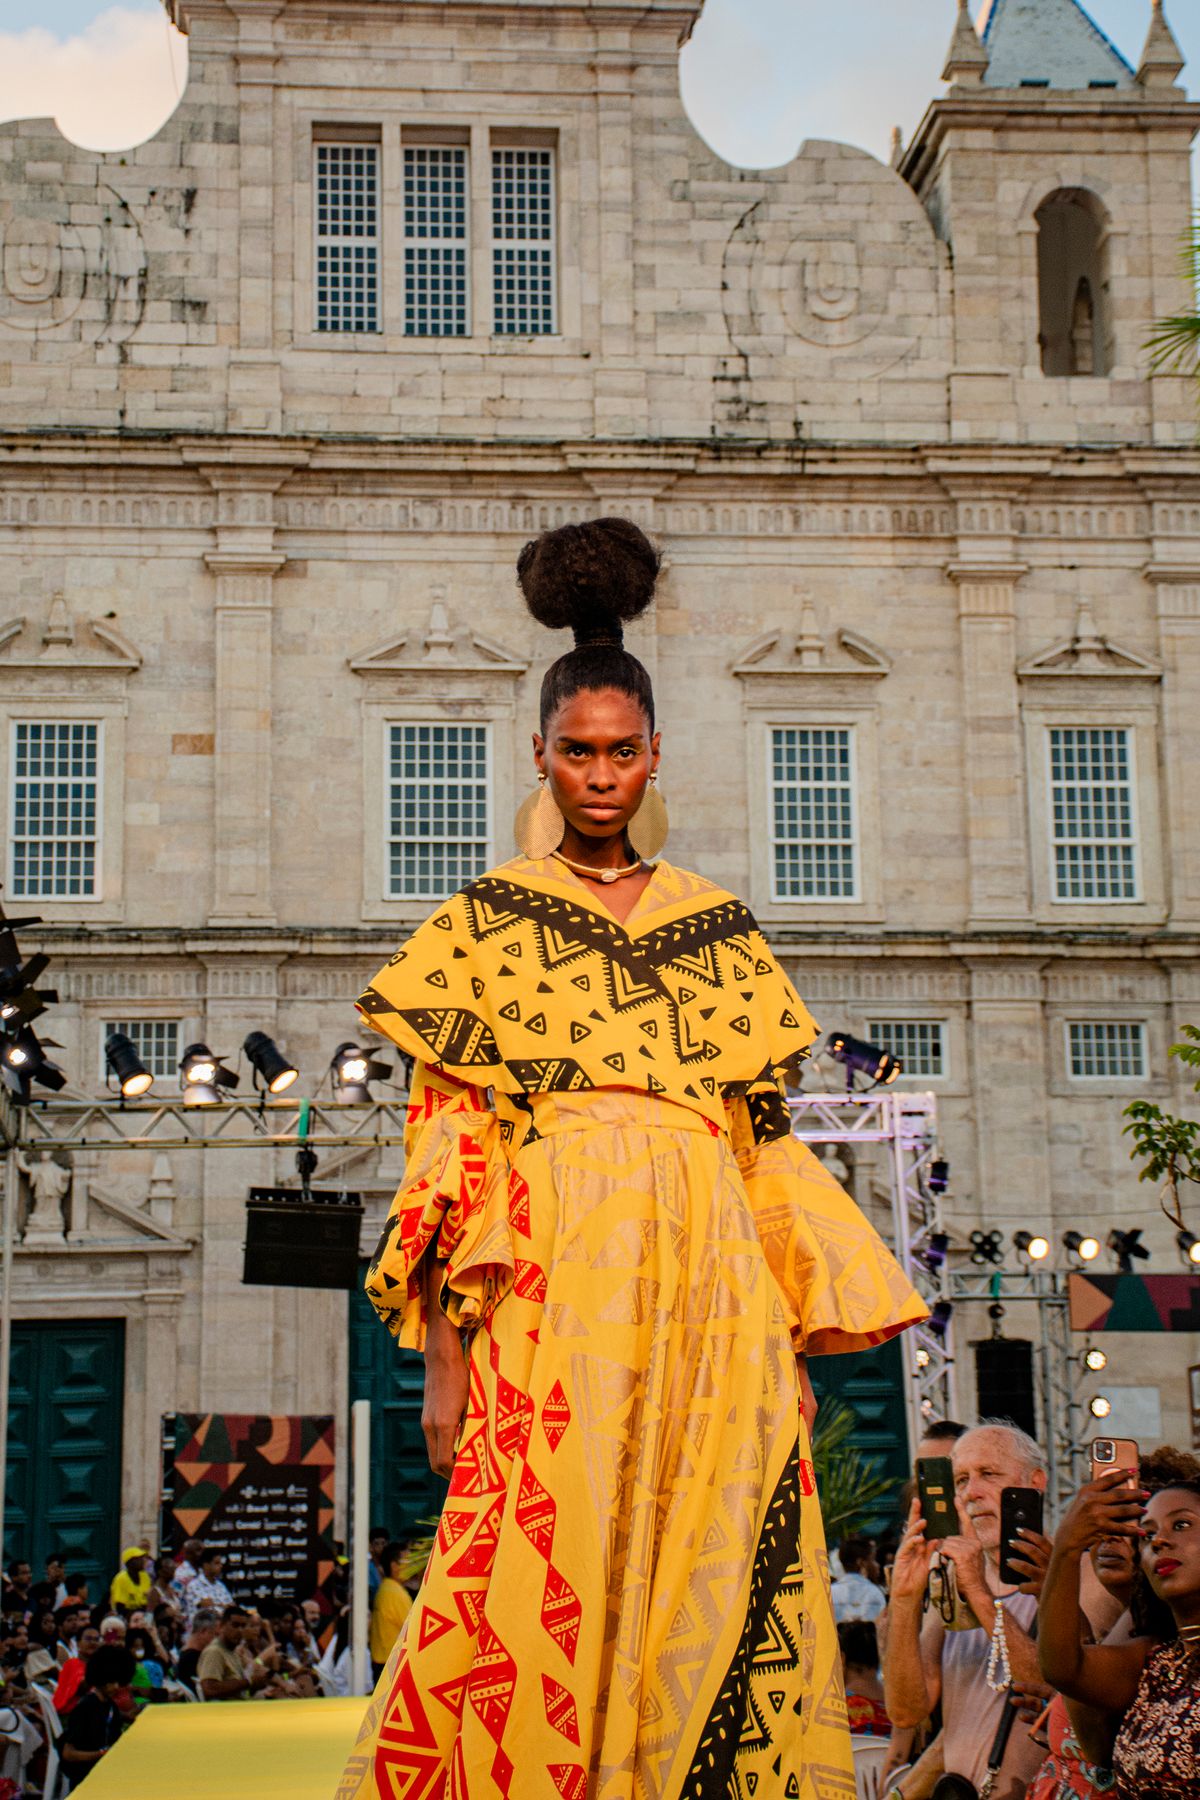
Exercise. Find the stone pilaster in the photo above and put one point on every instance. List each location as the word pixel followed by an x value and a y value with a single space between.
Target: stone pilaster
pixel 997 837
pixel 1012 1116
pixel 620 390
pixel 255 377
pixel 1177 589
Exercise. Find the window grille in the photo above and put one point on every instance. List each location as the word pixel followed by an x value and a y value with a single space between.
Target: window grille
pixel 55 809
pixel 812 813
pixel 156 1042
pixel 919 1043
pixel 437 808
pixel 435 241
pixel 1091 783
pixel 1112 1049
pixel 523 241
pixel 347 209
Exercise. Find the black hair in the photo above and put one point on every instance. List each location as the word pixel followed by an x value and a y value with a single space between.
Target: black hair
pixel 944 1428
pixel 233 1612
pixel 853 1552
pixel 593 577
pixel 111 1662
pixel 859 1643
pixel 393 1552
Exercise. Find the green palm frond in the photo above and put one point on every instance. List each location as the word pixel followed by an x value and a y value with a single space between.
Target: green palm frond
pixel 1174 344
pixel 852 1487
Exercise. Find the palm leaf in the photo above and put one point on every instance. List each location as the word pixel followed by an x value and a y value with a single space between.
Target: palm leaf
pixel 1174 344
pixel 852 1487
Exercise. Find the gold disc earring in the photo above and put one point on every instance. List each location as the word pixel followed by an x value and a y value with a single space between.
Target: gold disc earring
pixel 649 827
pixel 538 827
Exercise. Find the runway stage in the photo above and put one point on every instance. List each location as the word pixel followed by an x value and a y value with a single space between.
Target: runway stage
pixel 231 1750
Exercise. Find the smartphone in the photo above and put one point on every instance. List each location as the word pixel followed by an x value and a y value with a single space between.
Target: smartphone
pixel 1115 1453
pixel 935 1489
pixel 1019 1506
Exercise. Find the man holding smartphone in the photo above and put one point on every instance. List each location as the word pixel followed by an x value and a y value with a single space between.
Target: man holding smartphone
pixel 925 1662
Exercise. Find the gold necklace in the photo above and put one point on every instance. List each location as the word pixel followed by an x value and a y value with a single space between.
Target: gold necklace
pixel 605 875
pixel 1190 1635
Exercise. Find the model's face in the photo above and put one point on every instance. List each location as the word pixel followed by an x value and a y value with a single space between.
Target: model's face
pixel 598 753
pixel 1171 1545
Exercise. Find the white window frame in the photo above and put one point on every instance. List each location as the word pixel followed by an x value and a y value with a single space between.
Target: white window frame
pixel 108 1025
pixel 28 898
pixel 1106 1077
pixel 351 141
pixel 413 242
pixel 878 1029
pixel 821 900
pixel 549 244
pixel 433 899
pixel 107 903
pixel 1135 838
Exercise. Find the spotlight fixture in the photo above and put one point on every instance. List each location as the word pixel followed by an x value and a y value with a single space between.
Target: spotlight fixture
pixel 19 999
pixel 272 1070
pixel 133 1077
pixel 860 1058
pixel 1031 1244
pixel 938 1322
pixel 1125 1245
pixel 1087 1249
pixel 938 1178
pixel 927 1408
pixel 1100 1406
pixel 202 1076
pixel 23 1061
pixel 922 1358
pixel 352 1070
pixel 932 1254
pixel 1095 1360
pixel 987 1247
pixel 1189 1244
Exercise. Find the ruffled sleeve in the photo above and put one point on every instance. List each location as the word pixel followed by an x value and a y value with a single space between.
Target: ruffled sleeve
pixel 455 1190
pixel 842 1288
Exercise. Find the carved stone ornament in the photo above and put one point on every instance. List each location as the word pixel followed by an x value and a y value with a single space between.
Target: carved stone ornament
pixel 807 652
pixel 1087 652
pixel 64 642
pixel 83 283
pixel 442 645
pixel 49 1182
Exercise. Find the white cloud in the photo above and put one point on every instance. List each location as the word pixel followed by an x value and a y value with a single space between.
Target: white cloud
pixel 110 86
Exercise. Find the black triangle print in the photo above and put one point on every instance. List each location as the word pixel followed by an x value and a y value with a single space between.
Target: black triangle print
pixel 615 1062
pixel 742 1024
pixel 689 1089
pixel 512 950
pixel 790 1022
pixel 504 971
pixel 598 1016
pixel 751 1782
pixel 708 1084
pixel 477 987
pixel 706 1012
pixel 438 979
pixel 747 993
pixel 537 1024
pixel 579 1032
pixel 650 1027
pixel 583 982
pixel 761 967
pixel 544 987
pixel 444 922
pixel 655 1087
pixel 792 1790
pixel 776 1698
pixel 645 1050
pixel 511 1011
pixel 459 953
pixel 686 996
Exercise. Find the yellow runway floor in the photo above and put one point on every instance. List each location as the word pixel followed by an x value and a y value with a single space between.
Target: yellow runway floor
pixel 231 1750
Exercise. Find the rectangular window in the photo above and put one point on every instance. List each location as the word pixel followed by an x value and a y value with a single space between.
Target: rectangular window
pixel 1091 799
pixel 812 813
pixel 523 241
pixel 1106 1049
pixel 347 245
pixel 435 241
pixel 437 808
pixel 155 1040
pixel 55 809
pixel 919 1043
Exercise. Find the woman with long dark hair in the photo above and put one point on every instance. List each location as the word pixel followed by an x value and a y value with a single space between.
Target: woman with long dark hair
pixel 616 1258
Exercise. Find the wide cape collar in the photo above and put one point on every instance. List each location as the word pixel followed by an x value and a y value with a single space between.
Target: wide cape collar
pixel 524 982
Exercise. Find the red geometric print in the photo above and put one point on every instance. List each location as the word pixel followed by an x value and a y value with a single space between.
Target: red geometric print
pixel 560 1709
pixel 470 1604
pixel 475 1470
pixel 492 1682
pixel 454 1523
pixel 561 1613
pixel 433 1626
pixel 569 1779
pixel 451 1694
pixel 808 1479
pixel 475 1563
pixel 408 1764
pixel 556 1415
pixel 514 1418
pixel 530 1281
pixel 536 1513
pixel 518 1204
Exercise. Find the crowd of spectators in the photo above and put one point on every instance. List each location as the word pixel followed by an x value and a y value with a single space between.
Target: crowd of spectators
pixel 1079 1681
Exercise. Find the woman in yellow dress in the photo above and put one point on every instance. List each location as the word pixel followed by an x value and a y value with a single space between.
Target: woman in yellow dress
pixel 616 1259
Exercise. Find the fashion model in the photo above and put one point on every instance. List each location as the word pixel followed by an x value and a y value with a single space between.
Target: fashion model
pixel 616 1258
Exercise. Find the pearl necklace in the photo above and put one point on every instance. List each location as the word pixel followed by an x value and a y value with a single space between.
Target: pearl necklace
pixel 590 874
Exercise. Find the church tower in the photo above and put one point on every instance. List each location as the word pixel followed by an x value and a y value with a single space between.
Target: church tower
pixel 1058 174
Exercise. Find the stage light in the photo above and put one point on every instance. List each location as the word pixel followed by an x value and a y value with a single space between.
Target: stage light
pixel 352 1070
pixel 938 1322
pixel 860 1058
pixel 987 1247
pixel 1031 1244
pixel 932 1254
pixel 1189 1244
pixel 133 1077
pixel 922 1358
pixel 1087 1249
pixel 202 1076
pixel 1125 1245
pixel 1095 1359
pixel 23 1061
pixel 271 1067
pixel 938 1178
pixel 1100 1406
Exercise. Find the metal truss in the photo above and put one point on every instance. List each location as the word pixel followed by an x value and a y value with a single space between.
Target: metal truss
pixel 1056 1362
pixel 226 1124
pixel 907 1125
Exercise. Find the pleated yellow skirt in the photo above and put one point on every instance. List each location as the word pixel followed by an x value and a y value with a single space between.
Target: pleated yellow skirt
pixel 628 1598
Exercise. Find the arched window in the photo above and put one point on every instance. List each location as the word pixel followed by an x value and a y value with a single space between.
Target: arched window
pixel 1073 316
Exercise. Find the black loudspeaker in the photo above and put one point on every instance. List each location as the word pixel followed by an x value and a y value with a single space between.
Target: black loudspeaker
pixel 294 1240
pixel 1004 1381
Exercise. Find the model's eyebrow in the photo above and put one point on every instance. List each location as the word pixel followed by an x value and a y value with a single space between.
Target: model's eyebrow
pixel 569 743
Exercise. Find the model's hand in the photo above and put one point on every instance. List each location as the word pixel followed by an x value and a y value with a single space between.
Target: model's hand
pixel 1106 1507
pixel 910 1571
pixel 447 1389
pixel 1030 1551
pixel 808 1400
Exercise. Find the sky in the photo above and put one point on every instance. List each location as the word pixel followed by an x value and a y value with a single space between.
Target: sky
pixel 759 77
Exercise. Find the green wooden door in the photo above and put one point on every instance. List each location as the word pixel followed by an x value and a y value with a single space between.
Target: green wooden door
pixel 63 1480
pixel 404 1490
pixel 872 1383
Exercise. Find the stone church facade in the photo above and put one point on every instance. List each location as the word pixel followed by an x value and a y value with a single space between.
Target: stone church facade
pixel 285 389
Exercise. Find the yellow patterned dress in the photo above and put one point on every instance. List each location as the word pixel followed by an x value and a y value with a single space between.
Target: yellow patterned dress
pixel 628 1598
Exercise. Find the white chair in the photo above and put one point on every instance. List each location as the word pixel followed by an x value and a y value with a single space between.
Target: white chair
pixel 870 1754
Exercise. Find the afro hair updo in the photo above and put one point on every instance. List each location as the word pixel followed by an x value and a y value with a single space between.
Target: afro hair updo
pixel 593 578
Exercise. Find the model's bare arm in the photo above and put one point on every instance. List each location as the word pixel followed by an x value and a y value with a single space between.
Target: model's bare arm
pixel 447 1384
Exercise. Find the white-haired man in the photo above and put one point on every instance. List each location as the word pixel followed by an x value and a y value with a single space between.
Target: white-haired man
pixel 925 1662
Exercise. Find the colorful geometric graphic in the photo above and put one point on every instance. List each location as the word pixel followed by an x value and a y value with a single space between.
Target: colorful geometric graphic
pixel 1133 1302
